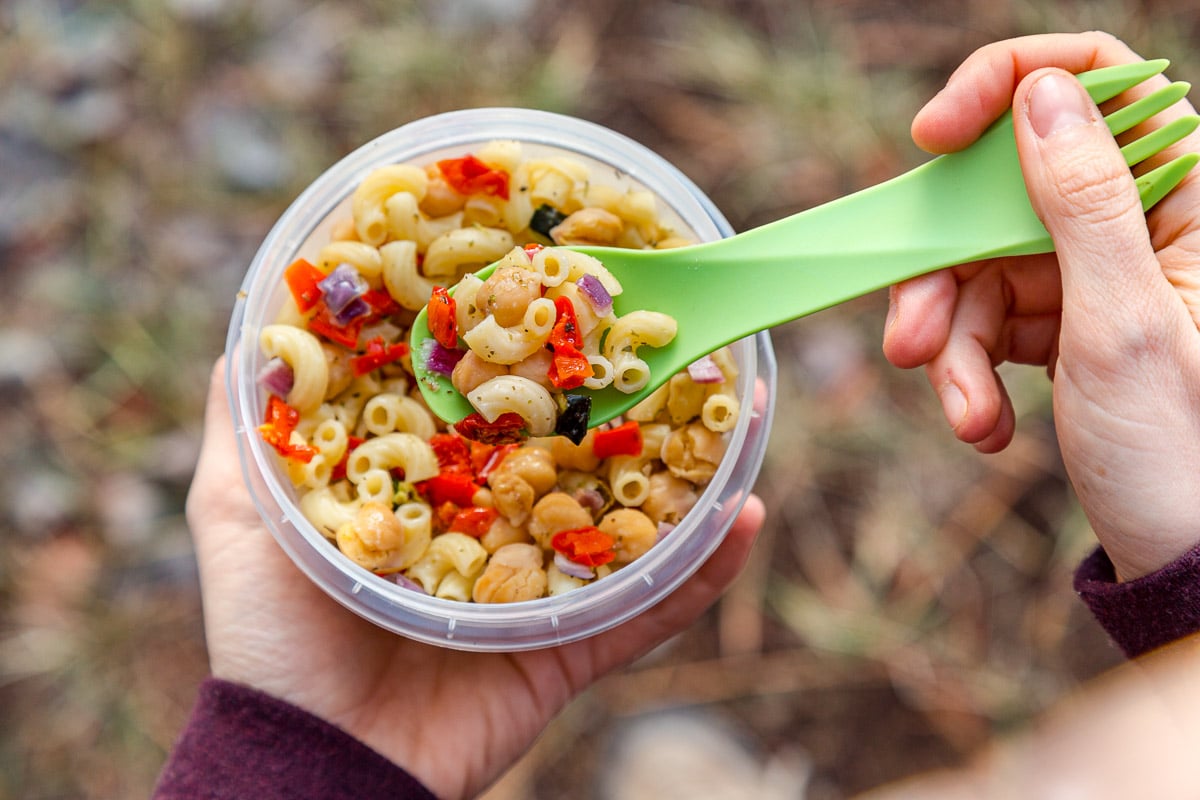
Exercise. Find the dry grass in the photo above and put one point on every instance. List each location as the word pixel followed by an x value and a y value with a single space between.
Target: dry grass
pixel 908 600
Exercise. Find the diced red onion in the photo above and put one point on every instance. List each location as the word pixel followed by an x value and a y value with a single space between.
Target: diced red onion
pixel 277 377
pixel 595 293
pixel 663 529
pixel 590 499
pixel 341 288
pixel 405 582
pixel 615 422
pixel 568 567
pixel 705 371
pixel 440 359
pixel 353 310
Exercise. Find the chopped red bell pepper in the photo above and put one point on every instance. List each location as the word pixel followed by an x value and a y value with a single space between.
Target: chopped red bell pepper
pixel 473 521
pixel 623 440
pixel 508 428
pixel 302 278
pixel 570 367
pixel 377 354
pixel 533 248
pixel 324 324
pixel 566 324
pixel 381 302
pixel 276 430
pixel 448 487
pixel 469 175
pixel 486 457
pixel 453 453
pixel 442 318
pixel 589 546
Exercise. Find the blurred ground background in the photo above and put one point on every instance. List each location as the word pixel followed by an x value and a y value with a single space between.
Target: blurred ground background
pixel 908 600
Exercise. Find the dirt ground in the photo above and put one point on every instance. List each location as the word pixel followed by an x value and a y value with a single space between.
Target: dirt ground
pixel 909 599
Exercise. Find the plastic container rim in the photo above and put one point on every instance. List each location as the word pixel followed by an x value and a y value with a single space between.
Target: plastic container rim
pixel 530 624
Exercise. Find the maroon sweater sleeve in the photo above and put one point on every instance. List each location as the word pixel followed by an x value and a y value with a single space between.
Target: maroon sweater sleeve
pixel 241 743
pixel 1146 613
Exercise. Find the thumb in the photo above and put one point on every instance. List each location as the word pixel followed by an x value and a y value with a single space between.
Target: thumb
pixel 1124 393
pixel 1082 190
pixel 221 514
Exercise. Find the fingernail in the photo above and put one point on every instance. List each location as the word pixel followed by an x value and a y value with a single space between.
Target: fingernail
pixel 954 404
pixel 891 312
pixel 1056 103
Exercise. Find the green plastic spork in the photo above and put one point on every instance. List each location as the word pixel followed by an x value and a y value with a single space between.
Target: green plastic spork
pixel 954 209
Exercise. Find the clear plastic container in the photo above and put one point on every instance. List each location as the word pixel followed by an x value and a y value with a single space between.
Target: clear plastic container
pixel 469 626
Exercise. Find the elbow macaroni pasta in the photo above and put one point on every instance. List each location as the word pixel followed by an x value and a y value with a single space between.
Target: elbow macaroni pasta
pixel 557 271
pixel 392 450
pixel 367 204
pixel 451 554
pixel 493 342
pixel 512 393
pixel 450 253
pixel 388 412
pixel 401 277
pixel 302 352
pixel 373 481
pixel 326 511
pixel 363 257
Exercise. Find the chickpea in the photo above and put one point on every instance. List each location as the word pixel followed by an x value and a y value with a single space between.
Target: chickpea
pixel 588 226
pixel 440 198
pixel 471 371
pixel 535 367
pixel 670 498
pixel 513 573
pixel 571 456
pixel 378 527
pixel 534 465
pixel 512 496
pixel 373 537
pixel 507 293
pixel 501 533
pixel 693 452
pixel 556 512
pixel 634 531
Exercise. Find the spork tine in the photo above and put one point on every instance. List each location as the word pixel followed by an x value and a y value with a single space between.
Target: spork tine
pixel 956 208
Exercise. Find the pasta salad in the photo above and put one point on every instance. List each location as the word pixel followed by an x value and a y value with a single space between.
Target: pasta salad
pixel 480 518
pixel 536 329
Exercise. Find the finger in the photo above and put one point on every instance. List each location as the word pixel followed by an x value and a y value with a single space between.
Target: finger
pixel 981 89
pixel 974 399
pixel 920 310
pixel 1025 298
pixel 217 453
pixel 1125 386
pixel 1005 425
pixel 1084 193
pixel 962 373
pixel 223 520
pixel 918 320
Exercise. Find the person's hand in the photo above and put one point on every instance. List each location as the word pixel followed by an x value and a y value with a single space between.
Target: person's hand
pixel 1114 317
pixel 455 720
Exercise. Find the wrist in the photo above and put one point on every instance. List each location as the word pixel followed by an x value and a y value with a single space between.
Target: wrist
pixel 1147 612
pixel 1136 556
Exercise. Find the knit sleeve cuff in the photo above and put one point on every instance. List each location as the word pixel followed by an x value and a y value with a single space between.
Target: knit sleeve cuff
pixel 1145 613
pixel 240 742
